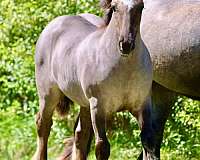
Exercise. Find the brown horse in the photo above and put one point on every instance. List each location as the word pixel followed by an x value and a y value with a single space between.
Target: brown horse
pixel 171 31
pixel 104 70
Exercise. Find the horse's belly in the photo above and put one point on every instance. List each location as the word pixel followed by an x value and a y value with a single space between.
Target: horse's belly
pixel 75 93
pixel 176 65
pixel 179 73
pixel 173 41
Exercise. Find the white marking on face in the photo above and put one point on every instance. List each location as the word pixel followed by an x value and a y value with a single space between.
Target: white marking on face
pixel 129 3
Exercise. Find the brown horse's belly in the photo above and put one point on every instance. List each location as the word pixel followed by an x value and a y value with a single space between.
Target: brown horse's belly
pixel 172 36
pixel 180 73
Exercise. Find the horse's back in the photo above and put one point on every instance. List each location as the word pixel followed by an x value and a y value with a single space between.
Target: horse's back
pixel 171 32
pixel 97 21
pixel 59 36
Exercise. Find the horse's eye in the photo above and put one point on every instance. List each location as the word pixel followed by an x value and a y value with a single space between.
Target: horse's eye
pixel 114 8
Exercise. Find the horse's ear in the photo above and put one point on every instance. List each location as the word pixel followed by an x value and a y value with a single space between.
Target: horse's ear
pixel 141 3
pixel 108 15
pixel 105 4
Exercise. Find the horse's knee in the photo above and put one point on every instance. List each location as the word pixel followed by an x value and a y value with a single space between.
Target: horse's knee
pixel 38 122
pixel 102 150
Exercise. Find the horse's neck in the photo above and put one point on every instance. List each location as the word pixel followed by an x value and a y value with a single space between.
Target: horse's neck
pixel 110 37
pixel 110 40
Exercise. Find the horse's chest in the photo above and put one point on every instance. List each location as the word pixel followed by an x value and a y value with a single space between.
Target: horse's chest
pixel 126 87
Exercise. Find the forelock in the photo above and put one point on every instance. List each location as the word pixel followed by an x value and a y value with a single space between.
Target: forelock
pixel 129 3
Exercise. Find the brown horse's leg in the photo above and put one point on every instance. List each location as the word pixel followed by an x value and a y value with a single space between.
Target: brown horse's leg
pixel 82 135
pixel 48 103
pixel 98 124
pixel 163 100
pixel 144 118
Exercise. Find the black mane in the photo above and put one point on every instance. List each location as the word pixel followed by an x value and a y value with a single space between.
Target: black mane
pixel 106 5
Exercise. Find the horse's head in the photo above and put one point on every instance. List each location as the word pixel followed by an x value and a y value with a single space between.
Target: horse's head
pixel 127 15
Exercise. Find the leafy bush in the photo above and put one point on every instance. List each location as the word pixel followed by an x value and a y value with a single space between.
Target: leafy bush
pixel 21 22
pixel 182 131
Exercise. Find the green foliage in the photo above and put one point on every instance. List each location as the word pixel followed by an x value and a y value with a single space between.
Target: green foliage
pixel 21 22
pixel 17 134
pixel 182 131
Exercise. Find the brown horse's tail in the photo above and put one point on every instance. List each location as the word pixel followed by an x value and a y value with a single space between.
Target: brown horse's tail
pixel 69 142
pixel 63 106
pixel 67 154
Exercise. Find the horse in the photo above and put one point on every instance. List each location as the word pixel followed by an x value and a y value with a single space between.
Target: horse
pixel 104 70
pixel 174 27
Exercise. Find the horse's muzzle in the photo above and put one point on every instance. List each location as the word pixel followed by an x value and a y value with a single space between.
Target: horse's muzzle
pixel 126 47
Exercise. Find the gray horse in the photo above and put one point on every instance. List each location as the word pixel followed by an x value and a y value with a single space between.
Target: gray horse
pixel 104 70
pixel 171 31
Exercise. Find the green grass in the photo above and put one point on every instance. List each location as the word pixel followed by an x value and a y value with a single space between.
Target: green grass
pixel 181 139
pixel 21 22
pixel 18 139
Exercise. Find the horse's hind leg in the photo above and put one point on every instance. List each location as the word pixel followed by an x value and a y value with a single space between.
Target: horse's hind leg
pixel 48 99
pixel 82 135
pixel 98 123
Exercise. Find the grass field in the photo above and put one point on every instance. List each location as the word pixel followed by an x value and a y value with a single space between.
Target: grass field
pixel 18 140
pixel 21 22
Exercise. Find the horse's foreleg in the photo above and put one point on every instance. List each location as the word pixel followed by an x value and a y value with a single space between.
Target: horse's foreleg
pixel 83 135
pixel 98 122
pixel 144 118
pixel 163 100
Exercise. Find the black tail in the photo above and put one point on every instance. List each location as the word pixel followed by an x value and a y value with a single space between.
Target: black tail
pixel 64 106
pixel 69 142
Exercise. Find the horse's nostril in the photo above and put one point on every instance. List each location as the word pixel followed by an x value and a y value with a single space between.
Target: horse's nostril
pixel 124 47
pixel 121 46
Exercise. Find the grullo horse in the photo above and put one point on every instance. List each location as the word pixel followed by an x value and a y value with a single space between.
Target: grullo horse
pixel 104 70
pixel 171 32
